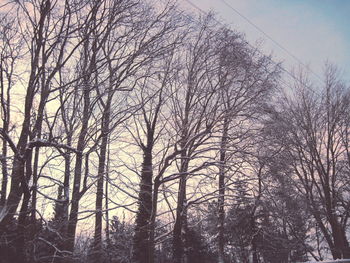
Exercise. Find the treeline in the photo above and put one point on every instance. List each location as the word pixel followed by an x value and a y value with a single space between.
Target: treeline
pixel 168 136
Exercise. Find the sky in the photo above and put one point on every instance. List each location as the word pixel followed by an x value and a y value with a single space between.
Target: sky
pixel 314 31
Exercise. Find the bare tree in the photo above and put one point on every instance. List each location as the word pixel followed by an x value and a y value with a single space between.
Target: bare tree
pixel 88 71
pixel 194 114
pixel 129 50
pixel 10 53
pixel 134 108
pixel 246 79
pixel 311 128
pixel 153 94
pixel 48 50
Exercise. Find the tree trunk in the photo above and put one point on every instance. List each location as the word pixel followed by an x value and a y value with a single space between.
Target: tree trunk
pixel 73 216
pixel 153 220
pixel 63 228
pixel 181 215
pixel 22 224
pixel 255 233
pixel 341 246
pixel 5 103
pixel 66 180
pixel 97 253
pixel 35 185
pixel 141 250
pixel 221 199
pixel 108 240
pixel 4 172
pixel 18 180
pixel 33 228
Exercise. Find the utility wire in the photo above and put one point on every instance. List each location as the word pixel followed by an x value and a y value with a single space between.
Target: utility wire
pixel 261 53
pixel 274 41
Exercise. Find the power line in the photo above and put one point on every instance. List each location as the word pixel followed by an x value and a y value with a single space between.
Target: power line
pixel 261 53
pixel 274 41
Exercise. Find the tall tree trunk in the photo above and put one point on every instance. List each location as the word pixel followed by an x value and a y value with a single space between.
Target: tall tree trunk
pixel 19 184
pixel 253 217
pixel 221 199
pixel 97 253
pixel 254 240
pixel 108 240
pixel 141 249
pixel 76 195
pixel 147 210
pixel 18 179
pixel 66 180
pixel 153 220
pixel 5 104
pixel 63 228
pixel 6 112
pixel 35 185
pixel 181 214
pixel 73 216
pixel 4 181
pixel 22 224
pixel 341 247
pixel 33 228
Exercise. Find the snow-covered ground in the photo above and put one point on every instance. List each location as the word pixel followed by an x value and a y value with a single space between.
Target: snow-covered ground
pixel 331 261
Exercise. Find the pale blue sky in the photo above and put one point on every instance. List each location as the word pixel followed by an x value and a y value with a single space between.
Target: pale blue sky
pixel 312 30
